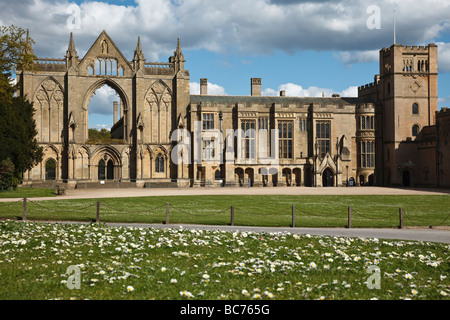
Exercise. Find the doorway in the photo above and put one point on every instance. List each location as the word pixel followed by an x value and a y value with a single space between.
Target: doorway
pixel 327 178
pixel 406 179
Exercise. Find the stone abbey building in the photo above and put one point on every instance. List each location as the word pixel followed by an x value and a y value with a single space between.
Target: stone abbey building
pixel 165 136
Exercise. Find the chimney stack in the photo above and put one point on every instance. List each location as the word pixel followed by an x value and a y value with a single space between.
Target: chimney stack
pixel 256 86
pixel 203 86
pixel 282 93
pixel 116 111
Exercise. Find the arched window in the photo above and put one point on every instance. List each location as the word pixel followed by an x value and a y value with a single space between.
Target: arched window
pixel 415 108
pixel 50 170
pixel 114 67
pixel 159 163
pixel 101 170
pixel 103 67
pixel 415 130
pixel 110 170
pixel 106 67
pixel 91 71
pixel 97 67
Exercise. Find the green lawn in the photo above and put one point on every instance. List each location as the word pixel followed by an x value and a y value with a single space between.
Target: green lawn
pixel 41 260
pixel 275 210
pixel 28 192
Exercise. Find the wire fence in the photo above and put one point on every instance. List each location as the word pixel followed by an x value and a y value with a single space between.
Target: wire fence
pixel 104 212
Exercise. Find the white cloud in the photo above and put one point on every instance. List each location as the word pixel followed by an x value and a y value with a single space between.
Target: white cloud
pixel 102 101
pixel 244 26
pixel 295 90
pixel 350 92
pixel 443 56
pixel 213 89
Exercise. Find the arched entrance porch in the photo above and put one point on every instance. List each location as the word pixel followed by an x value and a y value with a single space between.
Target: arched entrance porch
pixel 327 178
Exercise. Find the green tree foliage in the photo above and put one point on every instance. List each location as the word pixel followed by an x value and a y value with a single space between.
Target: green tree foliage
pixel 15 54
pixel 18 134
pixel 7 178
pixel 99 135
pixel 17 125
pixel 15 49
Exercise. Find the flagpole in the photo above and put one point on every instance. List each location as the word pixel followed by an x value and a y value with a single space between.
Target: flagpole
pixel 394 28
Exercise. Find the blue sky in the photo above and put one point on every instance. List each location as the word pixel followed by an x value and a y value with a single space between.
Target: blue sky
pixel 303 47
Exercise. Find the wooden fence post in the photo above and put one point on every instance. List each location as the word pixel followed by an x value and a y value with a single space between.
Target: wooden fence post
pixel 400 214
pixel 232 215
pixel 167 212
pixel 98 212
pixel 349 217
pixel 24 214
pixel 293 216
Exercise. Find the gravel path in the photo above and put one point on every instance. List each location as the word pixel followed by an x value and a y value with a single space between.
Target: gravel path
pixel 148 192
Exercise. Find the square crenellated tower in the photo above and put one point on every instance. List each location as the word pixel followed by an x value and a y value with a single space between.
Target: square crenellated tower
pixel 407 90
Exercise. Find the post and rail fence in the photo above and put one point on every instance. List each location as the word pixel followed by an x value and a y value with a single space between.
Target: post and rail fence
pixel 170 209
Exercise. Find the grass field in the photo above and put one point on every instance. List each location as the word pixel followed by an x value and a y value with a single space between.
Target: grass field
pixel 96 262
pixel 28 192
pixel 274 210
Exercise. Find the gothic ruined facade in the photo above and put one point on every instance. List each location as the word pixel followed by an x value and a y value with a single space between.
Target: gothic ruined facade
pixel 165 136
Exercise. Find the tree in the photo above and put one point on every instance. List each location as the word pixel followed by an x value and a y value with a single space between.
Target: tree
pixel 15 53
pixel 99 135
pixel 17 125
pixel 7 177
pixel 18 134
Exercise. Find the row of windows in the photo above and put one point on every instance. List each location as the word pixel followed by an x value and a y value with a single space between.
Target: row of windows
pixel 366 150
pixel 263 123
pixel 421 66
pixel 365 123
pixel 105 67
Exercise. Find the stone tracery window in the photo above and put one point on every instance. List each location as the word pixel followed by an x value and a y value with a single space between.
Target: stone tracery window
pixel 248 140
pixel 285 137
pixel 159 163
pixel 366 153
pixel 323 137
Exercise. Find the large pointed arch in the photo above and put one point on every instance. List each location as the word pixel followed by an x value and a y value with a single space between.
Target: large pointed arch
pixel 49 83
pixel 125 103
pixel 158 88
pixel 111 160
pixel 100 83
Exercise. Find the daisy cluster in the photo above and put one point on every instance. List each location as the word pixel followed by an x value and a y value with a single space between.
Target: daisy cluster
pixel 179 263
